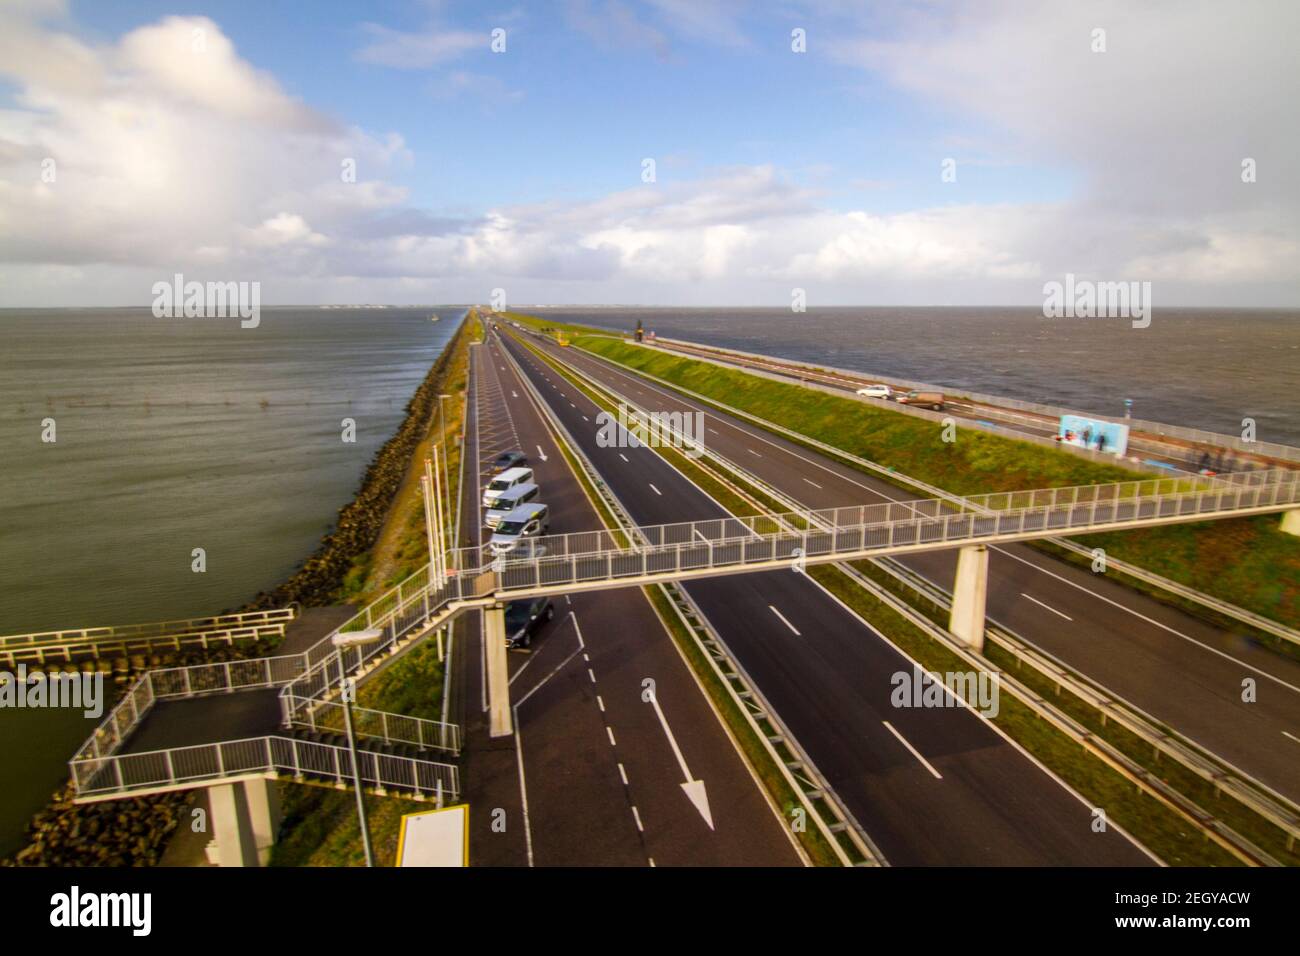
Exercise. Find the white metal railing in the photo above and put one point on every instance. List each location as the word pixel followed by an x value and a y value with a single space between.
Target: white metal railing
pixel 685 549
pixel 327 716
pixel 181 766
pixel 198 680
pixel 97 648
pixel 159 629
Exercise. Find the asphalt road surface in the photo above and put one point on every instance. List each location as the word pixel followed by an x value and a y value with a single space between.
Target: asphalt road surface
pixel 931 786
pixel 591 775
pixel 1177 668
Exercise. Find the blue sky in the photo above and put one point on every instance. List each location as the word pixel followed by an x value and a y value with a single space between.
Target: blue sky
pixel 579 116
pixel 522 169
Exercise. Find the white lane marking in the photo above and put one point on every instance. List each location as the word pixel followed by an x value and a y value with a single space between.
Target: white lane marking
pixel 1046 606
pixel 656 491
pixel 813 483
pixel 622 773
pixel 638 819
pixel 714 430
pixel 915 753
pixel 784 621
pixel 519 736
pixel 1149 620
pixel 600 703
pixel 624 457
pixel 1292 736
pixel 754 453
pixel 571 405
pixel 585 418
pixel 591 675
pixel 610 730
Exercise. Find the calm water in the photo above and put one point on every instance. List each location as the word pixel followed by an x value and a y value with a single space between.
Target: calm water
pixel 1195 367
pixel 171 435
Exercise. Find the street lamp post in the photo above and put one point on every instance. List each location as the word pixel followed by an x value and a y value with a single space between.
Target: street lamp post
pixel 342 641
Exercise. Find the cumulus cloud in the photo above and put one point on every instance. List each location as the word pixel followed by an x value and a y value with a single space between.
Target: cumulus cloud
pixel 173 153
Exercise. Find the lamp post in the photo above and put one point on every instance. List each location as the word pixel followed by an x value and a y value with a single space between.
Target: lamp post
pixel 341 642
pixel 442 425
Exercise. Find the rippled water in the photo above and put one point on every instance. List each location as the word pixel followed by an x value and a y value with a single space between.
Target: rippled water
pixel 1202 368
pixel 171 435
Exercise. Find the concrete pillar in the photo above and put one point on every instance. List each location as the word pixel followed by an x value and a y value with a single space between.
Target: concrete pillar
pixel 263 797
pixel 232 828
pixel 969 596
pixel 498 673
pixel 1291 521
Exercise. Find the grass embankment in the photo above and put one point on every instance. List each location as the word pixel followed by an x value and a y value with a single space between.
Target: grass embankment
pixel 1249 562
pixel 1158 827
pixel 320 823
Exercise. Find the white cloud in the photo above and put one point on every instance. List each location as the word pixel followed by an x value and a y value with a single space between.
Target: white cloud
pixel 417 50
pixel 171 158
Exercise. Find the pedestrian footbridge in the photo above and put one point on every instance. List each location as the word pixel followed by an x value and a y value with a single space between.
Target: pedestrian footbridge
pixel 291 728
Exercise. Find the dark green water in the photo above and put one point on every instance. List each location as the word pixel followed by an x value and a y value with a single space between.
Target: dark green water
pixel 171 435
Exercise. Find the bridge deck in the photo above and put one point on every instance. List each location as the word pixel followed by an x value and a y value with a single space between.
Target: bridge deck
pixel 188 722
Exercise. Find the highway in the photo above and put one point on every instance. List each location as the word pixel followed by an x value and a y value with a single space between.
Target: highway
pixel 937 786
pixel 1175 667
pixel 1176 455
pixel 591 772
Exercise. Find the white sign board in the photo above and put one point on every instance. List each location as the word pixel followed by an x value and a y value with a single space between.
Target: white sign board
pixel 435 838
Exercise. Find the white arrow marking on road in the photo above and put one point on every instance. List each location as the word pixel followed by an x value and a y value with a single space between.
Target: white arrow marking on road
pixel 513 393
pixel 541 454
pixel 694 788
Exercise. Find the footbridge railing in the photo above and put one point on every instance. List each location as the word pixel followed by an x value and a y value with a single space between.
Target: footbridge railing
pixel 185 767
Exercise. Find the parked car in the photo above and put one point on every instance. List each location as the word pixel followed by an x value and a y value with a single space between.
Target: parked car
pixel 507 460
pixel 876 391
pixel 524 619
pixel 504 482
pixel 508 501
pixel 526 521
pixel 923 399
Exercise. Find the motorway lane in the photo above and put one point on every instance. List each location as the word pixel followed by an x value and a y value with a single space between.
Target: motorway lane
pixel 600 781
pixel 831 685
pixel 1177 668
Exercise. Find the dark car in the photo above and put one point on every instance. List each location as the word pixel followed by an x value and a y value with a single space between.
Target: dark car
pixel 525 618
pixel 508 459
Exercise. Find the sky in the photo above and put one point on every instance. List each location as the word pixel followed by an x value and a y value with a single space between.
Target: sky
pixel 665 152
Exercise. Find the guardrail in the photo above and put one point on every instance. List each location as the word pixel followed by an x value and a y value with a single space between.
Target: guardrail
pixel 97 642
pixel 181 767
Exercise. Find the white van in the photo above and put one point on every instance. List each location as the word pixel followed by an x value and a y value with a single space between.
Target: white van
pixel 526 521
pixel 508 479
pixel 508 501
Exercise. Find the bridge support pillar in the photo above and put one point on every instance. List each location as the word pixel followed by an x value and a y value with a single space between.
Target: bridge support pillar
pixel 969 596
pixel 1291 521
pixel 232 827
pixel 264 814
pixel 498 672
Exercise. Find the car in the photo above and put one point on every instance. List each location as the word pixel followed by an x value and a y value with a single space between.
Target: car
pixel 509 501
pixel 502 484
pixel 876 391
pixel 524 619
pixel 526 521
pixel 507 460
pixel 926 399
